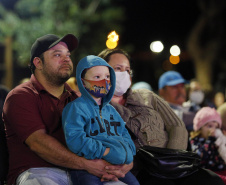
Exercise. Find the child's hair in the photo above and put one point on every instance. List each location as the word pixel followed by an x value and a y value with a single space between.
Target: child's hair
pixel 205 115
pixel 194 134
pixel 84 73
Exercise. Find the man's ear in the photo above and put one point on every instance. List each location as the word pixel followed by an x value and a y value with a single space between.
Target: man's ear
pixel 38 63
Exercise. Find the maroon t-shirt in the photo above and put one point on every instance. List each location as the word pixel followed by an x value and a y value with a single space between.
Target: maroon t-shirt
pixel 28 108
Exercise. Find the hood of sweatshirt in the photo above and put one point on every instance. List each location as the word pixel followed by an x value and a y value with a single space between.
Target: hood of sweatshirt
pixel 86 63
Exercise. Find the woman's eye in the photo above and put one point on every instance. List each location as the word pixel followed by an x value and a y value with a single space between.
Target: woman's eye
pixel 117 69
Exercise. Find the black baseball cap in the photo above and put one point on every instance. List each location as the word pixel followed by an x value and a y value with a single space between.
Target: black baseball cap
pixel 46 42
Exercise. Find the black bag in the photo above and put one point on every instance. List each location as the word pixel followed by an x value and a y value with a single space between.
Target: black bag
pixel 168 163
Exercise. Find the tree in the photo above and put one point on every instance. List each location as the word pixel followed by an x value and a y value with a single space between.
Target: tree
pixel 89 20
pixel 9 23
pixel 207 40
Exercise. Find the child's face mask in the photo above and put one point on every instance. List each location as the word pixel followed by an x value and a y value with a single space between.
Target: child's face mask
pixel 99 88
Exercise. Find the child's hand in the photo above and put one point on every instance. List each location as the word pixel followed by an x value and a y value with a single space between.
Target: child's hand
pixel 221 143
pixel 106 151
pixel 220 138
pixel 224 132
pixel 218 133
pixel 211 133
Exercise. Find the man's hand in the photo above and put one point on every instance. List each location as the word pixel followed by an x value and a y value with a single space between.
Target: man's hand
pixel 117 170
pixel 97 167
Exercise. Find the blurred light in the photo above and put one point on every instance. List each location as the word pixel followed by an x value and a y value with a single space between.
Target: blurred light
pixel 110 44
pixel 174 59
pixel 113 36
pixel 156 46
pixel 175 50
pixel 112 41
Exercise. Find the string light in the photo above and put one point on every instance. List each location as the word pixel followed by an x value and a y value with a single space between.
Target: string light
pixel 112 41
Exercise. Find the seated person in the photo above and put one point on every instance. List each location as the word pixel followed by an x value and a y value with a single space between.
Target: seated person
pixel 172 89
pixel 195 96
pixel 92 127
pixel 203 140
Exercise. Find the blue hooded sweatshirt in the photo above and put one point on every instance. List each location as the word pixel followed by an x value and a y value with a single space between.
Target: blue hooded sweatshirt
pixel 89 128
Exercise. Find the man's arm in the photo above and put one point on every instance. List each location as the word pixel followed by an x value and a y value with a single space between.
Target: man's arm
pixel 54 152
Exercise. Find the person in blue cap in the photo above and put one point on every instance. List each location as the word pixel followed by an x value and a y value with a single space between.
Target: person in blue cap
pixel 172 89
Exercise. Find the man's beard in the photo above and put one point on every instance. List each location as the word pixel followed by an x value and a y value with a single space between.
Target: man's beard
pixel 56 79
pixel 180 97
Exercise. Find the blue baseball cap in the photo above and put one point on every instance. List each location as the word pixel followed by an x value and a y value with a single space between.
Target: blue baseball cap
pixel 170 78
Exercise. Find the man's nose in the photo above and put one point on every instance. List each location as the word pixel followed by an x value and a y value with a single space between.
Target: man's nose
pixel 66 59
pixel 181 89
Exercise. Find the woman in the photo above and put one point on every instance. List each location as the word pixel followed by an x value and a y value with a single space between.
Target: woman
pixel 150 120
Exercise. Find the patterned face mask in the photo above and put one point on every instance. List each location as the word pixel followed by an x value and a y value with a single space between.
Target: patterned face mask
pixel 97 88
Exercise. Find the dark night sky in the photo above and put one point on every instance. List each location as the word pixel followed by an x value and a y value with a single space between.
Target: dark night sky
pixel 168 21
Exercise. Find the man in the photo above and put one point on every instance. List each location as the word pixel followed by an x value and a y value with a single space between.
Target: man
pixel 172 89
pixel 32 116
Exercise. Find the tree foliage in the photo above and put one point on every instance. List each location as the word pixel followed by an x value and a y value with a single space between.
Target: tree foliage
pixel 206 43
pixel 89 20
